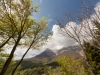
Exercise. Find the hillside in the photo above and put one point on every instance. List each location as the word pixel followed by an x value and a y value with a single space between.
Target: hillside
pixel 48 56
pixel 68 53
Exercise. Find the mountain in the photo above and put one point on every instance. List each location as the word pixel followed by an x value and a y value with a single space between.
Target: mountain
pixel 39 60
pixel 71 51
pixel 49 54
pixel 70 48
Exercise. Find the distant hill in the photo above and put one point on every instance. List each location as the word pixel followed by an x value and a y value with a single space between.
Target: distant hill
pixel 71 51
pixel 70 48
pixel 48 56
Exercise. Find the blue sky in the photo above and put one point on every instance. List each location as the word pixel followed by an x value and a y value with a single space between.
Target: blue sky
pixel 57 8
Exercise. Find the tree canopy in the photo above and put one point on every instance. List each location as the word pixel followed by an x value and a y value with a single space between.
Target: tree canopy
pixel 19 28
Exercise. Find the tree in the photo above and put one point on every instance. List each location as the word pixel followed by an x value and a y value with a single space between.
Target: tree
pixel 20 28
pixel 87 30
pixel 93 56
pixel 92 51
pixel 3 57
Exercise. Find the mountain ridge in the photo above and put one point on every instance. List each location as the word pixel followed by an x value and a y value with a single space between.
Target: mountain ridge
pixel 71 51
pixel 49 56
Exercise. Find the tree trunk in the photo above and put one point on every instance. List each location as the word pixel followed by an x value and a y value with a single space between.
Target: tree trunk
pixel 87 61
pixel 23 56
pixel 90 67
pixel 7 63
pixel 19 62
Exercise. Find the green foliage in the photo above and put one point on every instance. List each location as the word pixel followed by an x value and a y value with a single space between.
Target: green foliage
pixel 51 71
pixel 70 66
pixel 64 66
pixel 37 68
pixel 3 57
pixel 19 28
pixel 16 21
pixel 53 64
pixel 30 65
pixel 34 71
pixel 93 56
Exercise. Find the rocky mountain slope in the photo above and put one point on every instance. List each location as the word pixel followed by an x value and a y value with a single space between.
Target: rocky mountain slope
pixel 71 51
pixel 49 54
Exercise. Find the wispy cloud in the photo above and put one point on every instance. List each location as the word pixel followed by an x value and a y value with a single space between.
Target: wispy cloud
pixel 50 20
pixel 41 1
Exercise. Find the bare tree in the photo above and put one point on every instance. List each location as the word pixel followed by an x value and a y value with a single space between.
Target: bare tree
pixel 85 30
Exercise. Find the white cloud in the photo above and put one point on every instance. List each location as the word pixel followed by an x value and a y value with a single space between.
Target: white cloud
pixel 21 50
pixel 58 41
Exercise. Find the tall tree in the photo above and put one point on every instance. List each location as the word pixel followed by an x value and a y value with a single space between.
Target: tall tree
pixel 17 24
pixel 93 51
